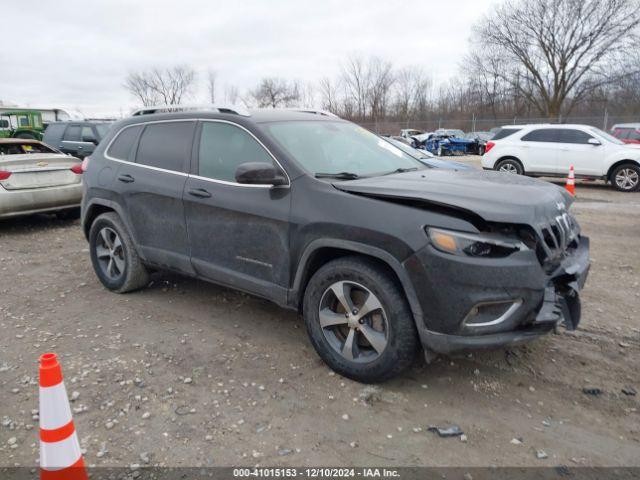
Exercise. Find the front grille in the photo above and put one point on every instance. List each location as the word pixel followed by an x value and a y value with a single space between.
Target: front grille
pixel 558 236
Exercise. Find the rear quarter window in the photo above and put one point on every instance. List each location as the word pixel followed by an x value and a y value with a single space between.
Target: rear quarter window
pixel 166 145
pixel 120 148
pixel 505 132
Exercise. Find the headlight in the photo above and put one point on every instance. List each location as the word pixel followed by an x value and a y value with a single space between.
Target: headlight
pixel 471 245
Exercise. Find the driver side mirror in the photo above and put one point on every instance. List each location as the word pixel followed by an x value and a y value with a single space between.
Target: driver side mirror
pixel 594 141
pixel 259 173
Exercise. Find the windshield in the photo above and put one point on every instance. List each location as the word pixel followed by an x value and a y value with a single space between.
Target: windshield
pixel 414 152
pixel 606 136
pixel 339 147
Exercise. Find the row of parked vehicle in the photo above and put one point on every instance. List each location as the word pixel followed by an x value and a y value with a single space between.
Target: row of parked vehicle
pixel 545 150
pixel 447 141
pixel 40 165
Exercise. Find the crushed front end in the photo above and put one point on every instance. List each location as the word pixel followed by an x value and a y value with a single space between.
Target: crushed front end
pixel 508 284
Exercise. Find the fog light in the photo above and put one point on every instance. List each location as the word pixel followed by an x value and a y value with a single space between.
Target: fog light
pixel 491 313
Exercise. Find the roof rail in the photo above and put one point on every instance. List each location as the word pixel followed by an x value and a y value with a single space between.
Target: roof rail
pixel 325 113
pixel 234 109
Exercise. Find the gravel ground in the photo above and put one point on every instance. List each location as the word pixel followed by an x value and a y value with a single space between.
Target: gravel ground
pixel 185 373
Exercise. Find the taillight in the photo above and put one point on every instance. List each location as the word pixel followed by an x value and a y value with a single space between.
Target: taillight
pixel 4 174
pixel 85 163
pixel 489 146
pixel 77 169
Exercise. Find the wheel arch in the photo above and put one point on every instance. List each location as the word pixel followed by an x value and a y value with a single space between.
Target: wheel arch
pixel 321 251
pixel 97 207
pixel 617 164
pixel 508 157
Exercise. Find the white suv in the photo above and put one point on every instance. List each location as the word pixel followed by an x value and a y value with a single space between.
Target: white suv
pixel 549 150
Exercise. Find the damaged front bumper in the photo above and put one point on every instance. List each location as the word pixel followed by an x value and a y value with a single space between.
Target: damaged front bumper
pixel 471 303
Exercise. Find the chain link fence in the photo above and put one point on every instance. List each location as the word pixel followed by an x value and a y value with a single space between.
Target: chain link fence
pixel 473 124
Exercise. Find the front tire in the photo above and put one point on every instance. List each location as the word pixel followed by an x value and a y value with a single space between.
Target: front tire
pixel 510 165
pixel 358 320
pixel 626 177
pixel 113 255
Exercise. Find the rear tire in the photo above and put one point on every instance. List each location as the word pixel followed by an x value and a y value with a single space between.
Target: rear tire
pixel 383 342
pixel 113 255
pixel 626 177
pixel 26 136
pixel 510 165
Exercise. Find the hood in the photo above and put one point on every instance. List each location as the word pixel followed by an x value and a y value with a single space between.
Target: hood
pixel 494 196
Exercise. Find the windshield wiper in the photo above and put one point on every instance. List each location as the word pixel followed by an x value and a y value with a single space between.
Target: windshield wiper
pixel 340 175
pixel 402 170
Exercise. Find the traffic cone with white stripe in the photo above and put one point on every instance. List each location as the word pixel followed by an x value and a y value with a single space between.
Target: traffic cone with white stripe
pixel 60 455
pixel 571 182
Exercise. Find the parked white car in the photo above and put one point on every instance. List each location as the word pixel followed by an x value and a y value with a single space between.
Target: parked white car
pixel 549 150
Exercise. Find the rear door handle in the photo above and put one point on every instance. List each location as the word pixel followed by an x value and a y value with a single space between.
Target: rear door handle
pixel 199 192
pixel 126 178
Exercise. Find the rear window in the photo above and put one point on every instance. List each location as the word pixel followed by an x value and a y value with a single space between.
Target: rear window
pixel 166 145
pixel 120 148
pixel 22 148
pixel 505 132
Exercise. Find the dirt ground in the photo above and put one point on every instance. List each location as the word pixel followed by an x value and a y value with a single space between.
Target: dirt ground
pixel 185 373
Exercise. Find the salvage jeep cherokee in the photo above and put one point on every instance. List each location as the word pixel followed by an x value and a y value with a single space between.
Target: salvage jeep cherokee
pixel 381 254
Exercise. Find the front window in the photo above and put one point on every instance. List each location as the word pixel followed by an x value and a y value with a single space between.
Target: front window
pixel 340 147
pixel 23 121
pixel 608 137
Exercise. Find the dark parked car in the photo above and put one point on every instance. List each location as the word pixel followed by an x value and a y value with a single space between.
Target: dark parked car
pixel 379 253
pixel 75 138
pixel 479 140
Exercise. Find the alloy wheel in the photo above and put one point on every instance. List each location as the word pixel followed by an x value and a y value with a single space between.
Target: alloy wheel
pixel 353 321
pixel 627 179
pixel 508 168
pixel 110 253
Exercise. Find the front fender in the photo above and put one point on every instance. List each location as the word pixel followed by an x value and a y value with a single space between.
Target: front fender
pixel 296 291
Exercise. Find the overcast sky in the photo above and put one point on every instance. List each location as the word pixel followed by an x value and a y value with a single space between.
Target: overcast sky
pixel 76 54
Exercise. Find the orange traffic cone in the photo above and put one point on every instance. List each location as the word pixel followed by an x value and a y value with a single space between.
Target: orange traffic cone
pixel 571 182
pixel 60 455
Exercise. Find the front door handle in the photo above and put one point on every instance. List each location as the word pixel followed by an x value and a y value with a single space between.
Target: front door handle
pixel 199 192
pixel 126 178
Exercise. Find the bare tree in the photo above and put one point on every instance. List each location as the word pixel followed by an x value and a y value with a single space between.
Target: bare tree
pixel 139 86
pixel 556 52
pixel 329 99
pixel 412 91
pixel 355 78
pixel 168 86
pixel 274 92
pixel 381 79
pixel 212 76
pixel 231 94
